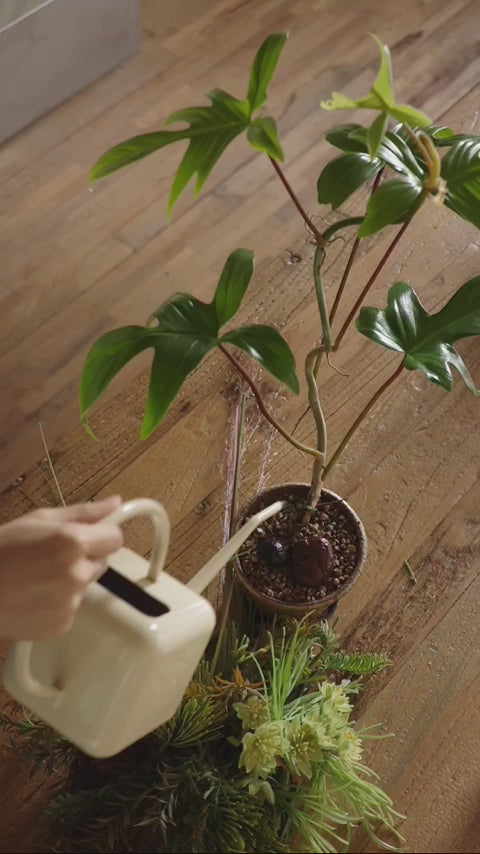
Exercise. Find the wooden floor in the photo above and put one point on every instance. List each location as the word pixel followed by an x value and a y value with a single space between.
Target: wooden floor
pixel 76 262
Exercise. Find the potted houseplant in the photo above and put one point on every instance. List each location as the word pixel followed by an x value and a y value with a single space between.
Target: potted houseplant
pixel 313 552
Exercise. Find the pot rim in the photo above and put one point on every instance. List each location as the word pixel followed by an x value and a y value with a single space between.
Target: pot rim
pixel 307 605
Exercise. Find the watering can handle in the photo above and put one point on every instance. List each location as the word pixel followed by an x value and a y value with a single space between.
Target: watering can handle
pixel 21 651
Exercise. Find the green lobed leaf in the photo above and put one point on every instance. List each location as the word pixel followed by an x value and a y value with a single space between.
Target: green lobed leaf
pixel 383 83
pixel 380 97
pixel 185 330
pixel 130 151
pixel 262 136
pixel 211 131
pixel 426 340
pixel 461 171
pixel 232 284
pixel 269 349
pixel 376 133
pixel 109 354
pixel 263 68
pixel 392 202
pixel 337 101
pixel 343 175
pixel 409 115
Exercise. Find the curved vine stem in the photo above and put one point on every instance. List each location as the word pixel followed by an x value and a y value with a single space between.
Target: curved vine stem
pixel 305 449
pixel 319 418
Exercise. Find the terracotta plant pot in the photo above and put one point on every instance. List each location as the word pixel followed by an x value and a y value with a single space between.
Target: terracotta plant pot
pixel 270 604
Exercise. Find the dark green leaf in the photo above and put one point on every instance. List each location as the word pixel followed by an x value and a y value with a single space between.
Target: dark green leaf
pixel 262 136
pixel 426 340
pixel 394 201
pixel 343 137
pixel 233 283
pixel 396 153
pixel 267 346
pixel 173 361
pixel 343 175
pixel 447 137
pixel 185 330
pixel 211 130
pixel 185 333
pixel 440 132
pixel 461 171
pixel 106 358
pixel 131 150
pixel 262 69
pixel 376 133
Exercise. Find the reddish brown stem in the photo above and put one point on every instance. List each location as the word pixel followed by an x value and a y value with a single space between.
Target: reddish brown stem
pixel 356 424
pixel 313 452
pixel 372 279
pixel 296 201
pixel 351 258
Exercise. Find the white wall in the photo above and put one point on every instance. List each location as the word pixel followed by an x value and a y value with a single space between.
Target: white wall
pixel 10 10
pixel 56 50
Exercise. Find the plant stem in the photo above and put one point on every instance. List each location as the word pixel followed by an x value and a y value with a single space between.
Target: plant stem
pixel 322 306
pixel 308 222
pixel 351 258
pixel 305 449
pixel 319 418
pixel 372 279
pixel 413 577
pixel 356 424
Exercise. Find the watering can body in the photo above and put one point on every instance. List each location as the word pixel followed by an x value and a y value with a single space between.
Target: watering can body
pixel 136 640
pixel 118 672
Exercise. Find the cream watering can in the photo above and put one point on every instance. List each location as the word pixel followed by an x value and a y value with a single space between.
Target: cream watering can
pixel 136 640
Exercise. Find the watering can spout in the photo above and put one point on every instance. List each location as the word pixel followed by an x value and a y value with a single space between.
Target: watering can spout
pixel 211 569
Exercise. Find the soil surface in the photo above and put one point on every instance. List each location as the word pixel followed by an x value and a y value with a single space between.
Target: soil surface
pixel 299 563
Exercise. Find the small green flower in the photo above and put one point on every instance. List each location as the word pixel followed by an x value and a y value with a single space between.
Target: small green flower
pixel 349 746
pixel 260 749
pixel 307 739
pixel 253 713
pixel 336 707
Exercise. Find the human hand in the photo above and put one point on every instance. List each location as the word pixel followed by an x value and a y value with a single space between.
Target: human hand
pixel 47 559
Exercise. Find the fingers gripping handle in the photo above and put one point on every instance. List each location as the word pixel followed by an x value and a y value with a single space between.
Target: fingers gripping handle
pixel 22 651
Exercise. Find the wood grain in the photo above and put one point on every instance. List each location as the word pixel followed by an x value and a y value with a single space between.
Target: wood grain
pixel 76 263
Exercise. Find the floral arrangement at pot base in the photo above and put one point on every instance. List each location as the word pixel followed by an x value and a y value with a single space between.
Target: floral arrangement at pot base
pixel 261 756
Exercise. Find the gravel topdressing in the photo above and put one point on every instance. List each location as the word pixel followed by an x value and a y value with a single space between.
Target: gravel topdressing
pixel 269 554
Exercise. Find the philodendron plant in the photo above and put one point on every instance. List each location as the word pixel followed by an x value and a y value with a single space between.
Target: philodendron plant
pixel 399 154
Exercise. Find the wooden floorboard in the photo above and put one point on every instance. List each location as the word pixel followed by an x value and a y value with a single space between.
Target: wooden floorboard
pixel 76 260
